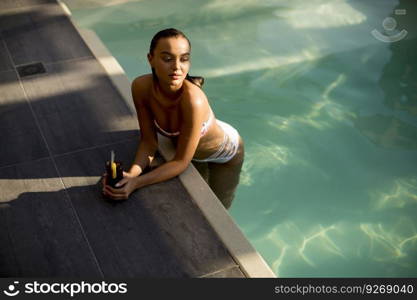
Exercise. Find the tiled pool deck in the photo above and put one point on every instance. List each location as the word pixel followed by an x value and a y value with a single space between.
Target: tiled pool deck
pixel 56 131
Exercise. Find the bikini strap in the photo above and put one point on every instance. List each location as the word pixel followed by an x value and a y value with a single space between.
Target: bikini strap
pixel 165 132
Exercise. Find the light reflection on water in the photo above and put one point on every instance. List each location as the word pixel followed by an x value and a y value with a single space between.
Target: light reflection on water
pixel 374 242
pixel 327 112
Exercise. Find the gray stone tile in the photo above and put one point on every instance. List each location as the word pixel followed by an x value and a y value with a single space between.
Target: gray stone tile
pixel 5 62
pixel 158 232
pixel 234 272
pixel 78 107
pixel 20 138
pixel 10 4
pixel 41 33
pixel 39 232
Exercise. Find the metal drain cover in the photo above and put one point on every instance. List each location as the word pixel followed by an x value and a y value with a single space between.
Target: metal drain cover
pixel 31 69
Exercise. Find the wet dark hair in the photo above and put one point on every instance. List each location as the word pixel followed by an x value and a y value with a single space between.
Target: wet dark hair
pixel 167 33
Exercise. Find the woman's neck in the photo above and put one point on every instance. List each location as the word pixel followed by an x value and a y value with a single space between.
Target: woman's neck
pixel 170 92
pixel 167 96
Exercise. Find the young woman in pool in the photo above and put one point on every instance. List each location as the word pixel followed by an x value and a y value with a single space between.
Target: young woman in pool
pixel 171 102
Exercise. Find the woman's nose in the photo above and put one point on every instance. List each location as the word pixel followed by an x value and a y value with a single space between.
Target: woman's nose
pixel 176 65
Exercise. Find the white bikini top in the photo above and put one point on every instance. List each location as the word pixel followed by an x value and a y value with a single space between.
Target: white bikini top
pixel 204 128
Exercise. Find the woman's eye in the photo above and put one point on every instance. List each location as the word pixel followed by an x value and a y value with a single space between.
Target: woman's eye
pixel 169 59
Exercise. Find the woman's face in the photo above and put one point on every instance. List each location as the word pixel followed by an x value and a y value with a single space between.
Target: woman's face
pixel 171 60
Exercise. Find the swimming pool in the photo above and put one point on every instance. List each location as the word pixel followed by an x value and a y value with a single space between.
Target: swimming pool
pixel 327 111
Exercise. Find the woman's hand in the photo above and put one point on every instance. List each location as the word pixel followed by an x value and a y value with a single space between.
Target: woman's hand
pixel 127 186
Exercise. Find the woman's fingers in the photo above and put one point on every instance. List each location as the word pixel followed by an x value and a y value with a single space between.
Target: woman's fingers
pixel 127 174
pixel 122 182
pixel 117 194
pixel 104 183
pixel 104 179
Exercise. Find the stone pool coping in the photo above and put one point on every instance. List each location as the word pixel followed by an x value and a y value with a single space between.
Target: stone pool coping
pixel 249 260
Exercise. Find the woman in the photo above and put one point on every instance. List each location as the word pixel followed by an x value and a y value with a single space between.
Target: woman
pixel 171 102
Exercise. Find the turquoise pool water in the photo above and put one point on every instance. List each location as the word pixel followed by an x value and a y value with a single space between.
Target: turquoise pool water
pixel 327 111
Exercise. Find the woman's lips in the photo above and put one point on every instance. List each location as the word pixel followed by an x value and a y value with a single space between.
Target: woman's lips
pixel 173 76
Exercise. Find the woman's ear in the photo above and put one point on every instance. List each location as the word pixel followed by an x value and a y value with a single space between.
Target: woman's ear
pixel 150 59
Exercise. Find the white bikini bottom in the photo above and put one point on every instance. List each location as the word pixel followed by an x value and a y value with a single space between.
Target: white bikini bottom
pixel 228 148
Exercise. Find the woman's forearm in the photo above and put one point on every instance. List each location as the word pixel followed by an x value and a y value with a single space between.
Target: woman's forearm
pixel 164 172
pixel 143 158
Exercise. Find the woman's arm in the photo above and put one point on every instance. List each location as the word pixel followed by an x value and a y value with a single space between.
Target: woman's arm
pixel 148 142
pixel 192 109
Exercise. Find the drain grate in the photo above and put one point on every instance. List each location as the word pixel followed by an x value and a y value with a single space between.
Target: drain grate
pixel 31 69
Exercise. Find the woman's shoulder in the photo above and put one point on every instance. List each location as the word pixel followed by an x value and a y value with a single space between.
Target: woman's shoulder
pixel 192 94
pixel 143 81
pixel 141 86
